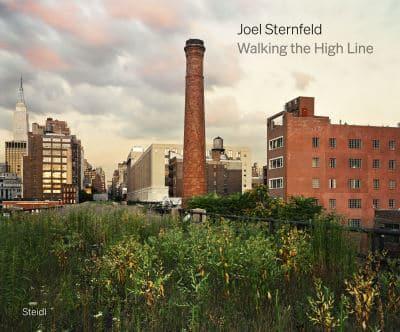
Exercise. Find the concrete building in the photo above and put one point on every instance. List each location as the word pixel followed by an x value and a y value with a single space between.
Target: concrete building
pixel 10 186
pixel 194 159
pixel 51 168
pixel 349 169
pixel 148 172
pixel 223 174
pixel 3 168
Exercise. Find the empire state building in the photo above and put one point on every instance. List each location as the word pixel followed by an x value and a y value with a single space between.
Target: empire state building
pixel 20 120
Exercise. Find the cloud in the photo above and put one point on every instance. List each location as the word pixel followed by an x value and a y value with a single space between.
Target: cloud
pixel 302 80
pixel 64 16
pixel 44 58
pixel 160 16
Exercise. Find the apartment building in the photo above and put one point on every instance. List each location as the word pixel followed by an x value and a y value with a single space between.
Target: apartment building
pixel 349 169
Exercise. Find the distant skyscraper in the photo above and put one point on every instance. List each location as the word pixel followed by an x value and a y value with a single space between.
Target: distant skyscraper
pixel 20 120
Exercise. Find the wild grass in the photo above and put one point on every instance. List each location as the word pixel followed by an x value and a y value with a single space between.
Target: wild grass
pixel 99 267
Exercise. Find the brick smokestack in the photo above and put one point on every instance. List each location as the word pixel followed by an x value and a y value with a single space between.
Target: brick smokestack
pixel 194 158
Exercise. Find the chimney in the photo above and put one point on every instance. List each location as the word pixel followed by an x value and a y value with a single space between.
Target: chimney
pixel 194 158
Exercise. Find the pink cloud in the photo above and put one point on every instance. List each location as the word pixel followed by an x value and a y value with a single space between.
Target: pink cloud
pixel 153 13
pixel 65 17
pixel 44 58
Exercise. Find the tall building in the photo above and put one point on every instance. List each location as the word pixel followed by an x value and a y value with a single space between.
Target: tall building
pixel 20 118
pixel 350 169
pixel 16 149
pixel 51 170
pixel 99 181
pixel 194 159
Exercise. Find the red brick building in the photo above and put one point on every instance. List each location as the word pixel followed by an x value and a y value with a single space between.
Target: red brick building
pixel 350 169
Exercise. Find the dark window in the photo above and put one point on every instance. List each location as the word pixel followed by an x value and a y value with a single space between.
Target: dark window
pixel 375 143
pixel 315 142
pixel 355 203
pixel 332 162
pixel 355 143
pixel 332 203
pixel 392 203
pixel 375 203
pixel 376 163
pixel 376 183
pixel 392 164
pixel 332 142
pixel 392 145
pixel 392 184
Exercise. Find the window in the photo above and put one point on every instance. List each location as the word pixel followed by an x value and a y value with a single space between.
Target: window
pixel 354 223
pixel 315 142
pixel 375 203
pixel 332 162
pixel 315 183
pixel 376 163
pixel 376 183
pixel 392 145
pixel 276 183
pixel 47 152
pixel 332 142
pixel 315 162
pixel 332 183
pixel 354 183
pixel 355 143
pixel 392 184
pixel 276 143
pixel 355 203
pixel 46 159
pixel 276 163
pixel 332 203
pixel 392 164
pixel 392 203
pixel 354 163
pixel 375 143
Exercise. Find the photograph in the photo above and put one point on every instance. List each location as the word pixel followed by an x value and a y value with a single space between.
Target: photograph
pixel 199 165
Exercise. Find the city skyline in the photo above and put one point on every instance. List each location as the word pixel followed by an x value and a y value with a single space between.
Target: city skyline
pixel 112 69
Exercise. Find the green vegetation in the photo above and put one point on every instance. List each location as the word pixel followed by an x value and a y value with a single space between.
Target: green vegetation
pixel 104 267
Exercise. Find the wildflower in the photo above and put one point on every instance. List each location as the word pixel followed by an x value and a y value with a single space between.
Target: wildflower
pixel 99 314
pixel 32 304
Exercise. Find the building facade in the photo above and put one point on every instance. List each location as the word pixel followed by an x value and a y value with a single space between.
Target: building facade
pixel 10 186
pixel 15 152
pixel 223 174
pixel 149 171
pixel 350 169
pixel 50 167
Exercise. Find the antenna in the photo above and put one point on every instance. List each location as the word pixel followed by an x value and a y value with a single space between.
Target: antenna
pixel 21 92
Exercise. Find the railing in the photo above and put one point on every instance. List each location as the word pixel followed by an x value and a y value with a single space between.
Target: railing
pixel 376 234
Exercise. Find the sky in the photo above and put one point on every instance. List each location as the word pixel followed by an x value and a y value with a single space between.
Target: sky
pixel 115 70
